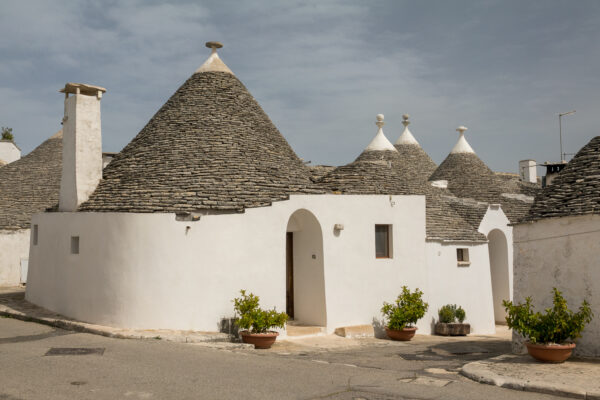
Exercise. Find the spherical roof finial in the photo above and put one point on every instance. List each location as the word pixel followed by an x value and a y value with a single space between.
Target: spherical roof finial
pixel 379 122
pixel 405 120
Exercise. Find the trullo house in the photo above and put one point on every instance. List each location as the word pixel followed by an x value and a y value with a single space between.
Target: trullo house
pixel 558 243
pixel 209 198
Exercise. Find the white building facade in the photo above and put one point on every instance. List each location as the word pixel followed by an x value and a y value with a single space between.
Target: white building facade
pixel 558 246
pixel 210 199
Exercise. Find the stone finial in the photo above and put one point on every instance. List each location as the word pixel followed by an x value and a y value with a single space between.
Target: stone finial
pixel 405 120
pixel 214 63
pixel 462 146
pixel 214 46
pixel 380 122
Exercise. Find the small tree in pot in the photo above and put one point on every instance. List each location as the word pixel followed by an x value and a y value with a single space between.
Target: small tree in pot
pixel 448 325
pixel 404 313
pixel 550 335
pixel 256 322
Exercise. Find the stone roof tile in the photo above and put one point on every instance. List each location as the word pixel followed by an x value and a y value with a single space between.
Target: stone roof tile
pixel 576 189
pixel 211 146
pixel 31 184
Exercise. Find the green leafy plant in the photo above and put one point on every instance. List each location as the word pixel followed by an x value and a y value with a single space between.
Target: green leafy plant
pixel 557 325
pixel 460 314
pixel 450 313
pixel 447 314
pixel 249 316
pixel 7 133
pixel 406 311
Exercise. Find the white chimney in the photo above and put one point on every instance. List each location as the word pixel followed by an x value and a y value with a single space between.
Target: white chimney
pixel 82 144
pixel 527 171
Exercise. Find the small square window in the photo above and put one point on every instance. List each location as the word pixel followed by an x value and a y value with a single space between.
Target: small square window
pixel 74 244
pixel 383 241
pixel 462 257
pixel 35 235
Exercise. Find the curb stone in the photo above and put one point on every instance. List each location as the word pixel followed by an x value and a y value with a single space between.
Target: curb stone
pixel 479 371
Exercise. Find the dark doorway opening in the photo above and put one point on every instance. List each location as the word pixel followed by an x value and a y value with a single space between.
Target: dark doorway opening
pixel 289 274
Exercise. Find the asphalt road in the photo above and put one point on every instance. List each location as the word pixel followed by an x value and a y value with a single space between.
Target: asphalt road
pixel 155 369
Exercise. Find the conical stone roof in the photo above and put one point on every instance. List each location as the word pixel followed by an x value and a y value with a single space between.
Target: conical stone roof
pixel 30 184
pixel 469 177
pixel 383 172
pixel 576 189
pixel 210 146
pixel 413 158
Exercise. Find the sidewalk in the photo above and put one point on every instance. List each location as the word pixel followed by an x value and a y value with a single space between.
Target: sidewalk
pixel 575 378
pixel 14 305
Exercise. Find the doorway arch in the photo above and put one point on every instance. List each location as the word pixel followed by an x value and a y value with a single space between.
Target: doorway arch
pixel 498 249
pixel 305 274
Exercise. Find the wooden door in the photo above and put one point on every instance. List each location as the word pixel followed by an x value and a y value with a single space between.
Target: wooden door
pixel 289 274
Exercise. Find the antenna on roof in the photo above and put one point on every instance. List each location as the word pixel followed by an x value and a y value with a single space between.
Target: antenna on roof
pixel 560 115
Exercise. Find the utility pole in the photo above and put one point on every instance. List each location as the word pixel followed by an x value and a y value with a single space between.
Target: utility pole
pixel 560 115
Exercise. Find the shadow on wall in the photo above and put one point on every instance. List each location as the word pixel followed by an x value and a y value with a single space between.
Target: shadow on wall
pixel 379 328
pixel 228 325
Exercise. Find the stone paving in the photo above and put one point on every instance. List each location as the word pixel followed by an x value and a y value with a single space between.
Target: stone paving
pixel 576 378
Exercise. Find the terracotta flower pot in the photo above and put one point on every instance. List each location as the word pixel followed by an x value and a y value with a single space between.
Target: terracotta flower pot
pixel 550 353
pixel 259 340
pixel 404 334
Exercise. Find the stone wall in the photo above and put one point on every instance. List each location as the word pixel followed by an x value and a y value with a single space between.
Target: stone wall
pixel 563 253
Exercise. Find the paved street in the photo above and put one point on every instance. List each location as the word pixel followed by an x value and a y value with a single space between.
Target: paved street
pixel 156 369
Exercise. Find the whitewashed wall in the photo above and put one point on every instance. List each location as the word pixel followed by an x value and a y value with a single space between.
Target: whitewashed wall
pixel 151 271
pixel 467 286
pixel 14 246
pixel 563 253
pixel 494 226
pixel 9 152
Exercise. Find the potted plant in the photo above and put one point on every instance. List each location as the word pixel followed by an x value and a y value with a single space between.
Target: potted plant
pixel 404 313
pixel 550 335
pixel 256 322
pixel 448 325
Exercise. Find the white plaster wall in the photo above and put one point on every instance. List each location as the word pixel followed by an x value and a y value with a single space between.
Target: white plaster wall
pixel 495 218
pixel 82 151
pixel 563 253
pixel 308 268
pixel 9 152
pixel 467 286
pixel 14 246
pixel 498 247
pixel 151 271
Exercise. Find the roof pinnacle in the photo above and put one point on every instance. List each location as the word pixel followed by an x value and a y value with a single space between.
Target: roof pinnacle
pixel 406 137
pixel 380 142
pixel 462 146
pixel 405 120
pixel 214 46
pixel 214 63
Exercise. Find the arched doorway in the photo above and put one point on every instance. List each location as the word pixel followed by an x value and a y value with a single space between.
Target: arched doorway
pixel 498 249
pixel 305 275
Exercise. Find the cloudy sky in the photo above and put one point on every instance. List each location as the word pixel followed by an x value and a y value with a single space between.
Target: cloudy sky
pixel 321 69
